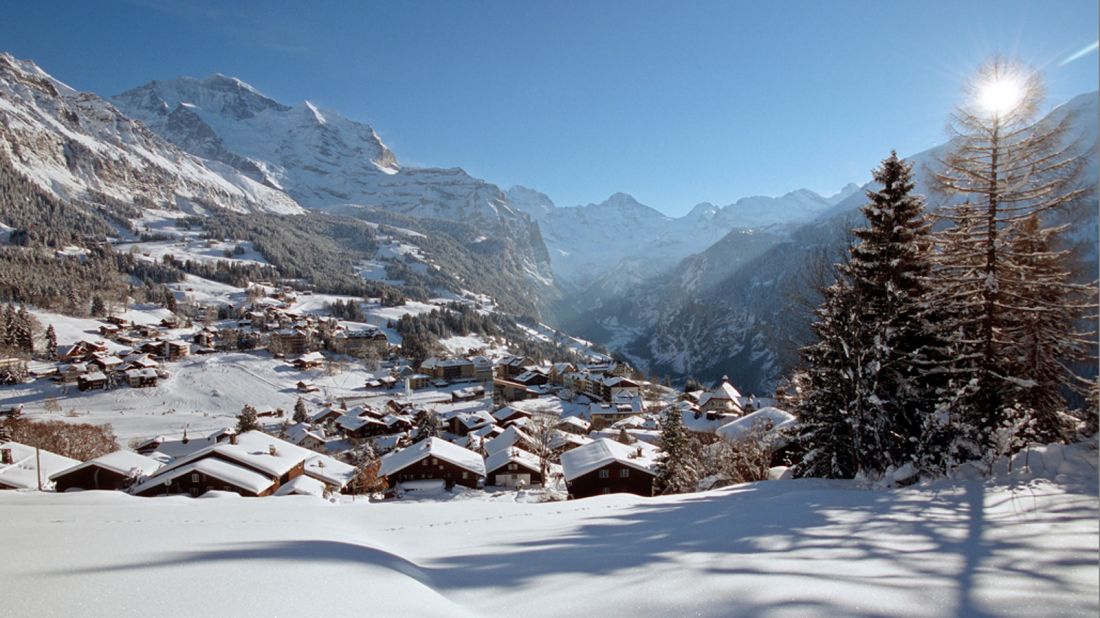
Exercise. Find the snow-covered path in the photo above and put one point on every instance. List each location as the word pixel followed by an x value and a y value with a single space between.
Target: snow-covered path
pixel 779 548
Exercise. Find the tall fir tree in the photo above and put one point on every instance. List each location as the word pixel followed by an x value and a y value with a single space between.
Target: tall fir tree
pixel 301 415
pixel 248 419
pixel 51 343
pixel 880 349
pixel 673 464
pixel 427 425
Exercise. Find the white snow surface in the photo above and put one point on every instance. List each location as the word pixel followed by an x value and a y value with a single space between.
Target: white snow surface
pixel 1018 546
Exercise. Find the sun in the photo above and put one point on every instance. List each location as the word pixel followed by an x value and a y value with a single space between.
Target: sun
pixel 1000 94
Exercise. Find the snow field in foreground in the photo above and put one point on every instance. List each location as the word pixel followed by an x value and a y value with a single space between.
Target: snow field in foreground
pixel 1022 547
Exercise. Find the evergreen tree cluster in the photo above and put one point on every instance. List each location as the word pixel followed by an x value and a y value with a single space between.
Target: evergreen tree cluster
pixel 16 331
pixel 937 348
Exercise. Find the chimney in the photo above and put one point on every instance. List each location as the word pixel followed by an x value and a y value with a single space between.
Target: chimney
pixel 6 457
pixel 232 438
pixel 271 450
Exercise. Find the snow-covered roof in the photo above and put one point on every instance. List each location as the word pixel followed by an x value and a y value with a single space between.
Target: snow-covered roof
pixel 768 419
pixel 506 456
pixel 432 447
pixel 121 462
pixel 302 486
pixel 506 440
pixel 254 449
pixel 310 357
pixel 235 475
pixel 331 471
pixel 23 472
pixel 575 421
pixel 724 391
pixel 599 453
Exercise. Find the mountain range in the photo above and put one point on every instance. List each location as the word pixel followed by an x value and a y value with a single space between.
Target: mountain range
pixel 719 290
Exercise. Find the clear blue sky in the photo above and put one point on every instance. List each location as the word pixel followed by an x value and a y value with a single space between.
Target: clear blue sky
pixel 673 102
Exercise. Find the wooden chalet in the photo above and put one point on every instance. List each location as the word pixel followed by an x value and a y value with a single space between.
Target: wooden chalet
pixel 605 466
pixel 113 471
pixel 513 467
pixel 92 381
pixel 434 459
pixel 142 378
pixel 311 360
pixel 82 351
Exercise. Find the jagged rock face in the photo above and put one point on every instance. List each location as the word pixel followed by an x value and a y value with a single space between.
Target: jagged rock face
pixel 78 146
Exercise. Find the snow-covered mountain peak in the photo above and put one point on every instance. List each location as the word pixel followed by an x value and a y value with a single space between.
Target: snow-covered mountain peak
pixel 703 211
pixel 530 201
pixel 847 191
pixel 78 146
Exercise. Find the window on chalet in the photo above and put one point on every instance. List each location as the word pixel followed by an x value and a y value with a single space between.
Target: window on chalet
pixel 512 466
pixel 195 477
pixel 465 475
pixel 605 474
pixel 624 473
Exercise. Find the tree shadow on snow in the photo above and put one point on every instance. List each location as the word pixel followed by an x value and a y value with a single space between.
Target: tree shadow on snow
pixel 897 542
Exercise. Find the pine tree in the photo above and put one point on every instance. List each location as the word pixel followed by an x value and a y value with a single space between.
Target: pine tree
pixel 248 420
pixel 1006 167
pixel 301 415
pixel 873 375
pixel 23 336
pixel 8 328
pixel 676 469
pixel 427 425
pixel 98 307
pixel 828 425
pixel 51 343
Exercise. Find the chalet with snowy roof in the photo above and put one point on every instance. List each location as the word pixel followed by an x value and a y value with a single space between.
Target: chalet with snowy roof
pixel 512 437
pixel 509 414
pixel 605 466
pixel 449 369
pixel 106 363
pixel 463 423
pixel 113 471
pixel 564 441
pixel 252 464
pixel 513 467
pixel 433 459
pixel 469 393
pixel 325 415
pixel 305 436
pixel 69 373
pixel 574 424
pixel 311 360
pixel 141 378
pixel 306 386
pixel 355 426
pixel 24 467
pixel 722 399
pixel 360 341
pixel 82 351
pixel 771 426
pixel 92 381
pixel 511 366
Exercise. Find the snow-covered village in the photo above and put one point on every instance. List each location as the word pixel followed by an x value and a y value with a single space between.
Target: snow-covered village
pixel 285 328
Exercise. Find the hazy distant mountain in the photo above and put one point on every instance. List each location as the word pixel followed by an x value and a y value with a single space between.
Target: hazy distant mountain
pixel 588 243
pixel 741 308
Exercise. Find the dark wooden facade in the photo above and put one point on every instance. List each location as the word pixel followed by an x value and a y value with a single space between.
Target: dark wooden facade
pixel 513 468
pixel 196 484
pixel 91 477
pixel 433 469
pixel 610 479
